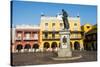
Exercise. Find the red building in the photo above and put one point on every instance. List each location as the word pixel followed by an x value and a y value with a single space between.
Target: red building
pixel 27 38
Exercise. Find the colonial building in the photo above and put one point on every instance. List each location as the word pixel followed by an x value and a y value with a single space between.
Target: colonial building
pixel 27 38
pixel 46 37
pixel 51 26
pixel 85 28
pixel 90 37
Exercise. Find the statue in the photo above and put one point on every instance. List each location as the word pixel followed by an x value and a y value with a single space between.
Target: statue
pixel 65 50
pixel 65 20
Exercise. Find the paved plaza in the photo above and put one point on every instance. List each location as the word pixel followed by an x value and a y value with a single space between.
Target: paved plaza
pixel 45 58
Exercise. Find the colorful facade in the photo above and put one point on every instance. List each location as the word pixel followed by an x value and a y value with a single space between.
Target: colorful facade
pixel 27 38
pixel 51 26
pixel 46 37
pixel 90 38
pixel 86 27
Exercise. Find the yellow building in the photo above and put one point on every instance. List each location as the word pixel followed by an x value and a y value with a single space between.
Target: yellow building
pixel 51 26
pixel 86 27
pixel 90 36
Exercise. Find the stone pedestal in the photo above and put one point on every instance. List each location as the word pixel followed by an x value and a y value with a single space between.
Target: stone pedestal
pixel 65 50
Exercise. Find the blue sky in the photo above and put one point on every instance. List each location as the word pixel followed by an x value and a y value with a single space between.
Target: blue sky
pixel 25 12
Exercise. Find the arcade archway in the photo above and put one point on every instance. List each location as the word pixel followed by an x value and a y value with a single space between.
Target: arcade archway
pixel 19 47
pixel 27 46
pixel 46 45
pixel 36 46
pixel 76 45
pixel 53 45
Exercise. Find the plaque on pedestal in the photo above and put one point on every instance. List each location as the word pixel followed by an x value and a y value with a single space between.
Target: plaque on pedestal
pixel 65 50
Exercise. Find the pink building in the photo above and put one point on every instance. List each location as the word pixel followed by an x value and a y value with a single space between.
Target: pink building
pixel 27 38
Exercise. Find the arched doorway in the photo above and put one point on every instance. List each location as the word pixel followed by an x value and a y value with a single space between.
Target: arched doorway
pixel 53 45
pixel 76 46
pixel 19 47
pixel 27 47
pixel 35 46
pixel 46 45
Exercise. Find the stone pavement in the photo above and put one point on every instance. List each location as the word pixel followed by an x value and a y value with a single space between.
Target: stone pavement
pixel 45 58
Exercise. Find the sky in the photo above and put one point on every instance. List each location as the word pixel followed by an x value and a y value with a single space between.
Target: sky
pixel 24 12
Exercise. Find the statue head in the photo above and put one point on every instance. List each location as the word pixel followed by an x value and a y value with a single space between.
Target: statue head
pixel 63 10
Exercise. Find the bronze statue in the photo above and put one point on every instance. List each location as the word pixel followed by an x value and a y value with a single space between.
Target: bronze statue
pixel 65 20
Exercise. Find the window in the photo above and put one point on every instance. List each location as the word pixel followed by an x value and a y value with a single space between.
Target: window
pixel 75 27
pixel 19 34
pixel 53 24
pixel 46 35
pixel 75 24
pixel 46 26
pixel 27 35
pixel 53 35
pixel 75 36
pixel 88 26
pixel 61 24
pixel 35 36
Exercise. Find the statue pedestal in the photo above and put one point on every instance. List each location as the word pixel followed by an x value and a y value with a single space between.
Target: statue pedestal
pixel 65 50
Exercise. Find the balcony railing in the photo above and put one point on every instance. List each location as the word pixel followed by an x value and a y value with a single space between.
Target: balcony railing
pixel 18 38
pixel 51 38
pixel 73 38
pixel 30 38
pixel 25 38
pixel 35 38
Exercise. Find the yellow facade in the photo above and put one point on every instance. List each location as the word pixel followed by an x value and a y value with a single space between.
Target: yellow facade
pixel 90 36
pixel 55 24
pixel 87 27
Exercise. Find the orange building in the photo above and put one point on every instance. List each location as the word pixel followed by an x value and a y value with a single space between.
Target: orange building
pixel 27 38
